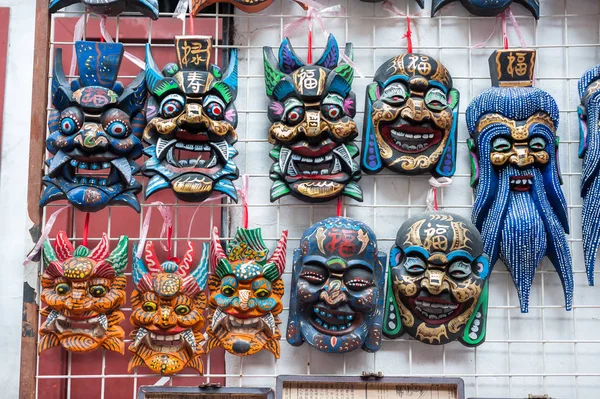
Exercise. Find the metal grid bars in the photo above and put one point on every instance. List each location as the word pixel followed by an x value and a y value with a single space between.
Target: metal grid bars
pixel 547 350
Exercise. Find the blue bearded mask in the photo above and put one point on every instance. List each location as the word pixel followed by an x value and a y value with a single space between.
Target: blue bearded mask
pixel 148 8
pixel 519 206
pixel 487 8
pixel 191 123
pixel 437 281
pixel 311 111
pixel 336 303
pixel 589 150
pixel 93 129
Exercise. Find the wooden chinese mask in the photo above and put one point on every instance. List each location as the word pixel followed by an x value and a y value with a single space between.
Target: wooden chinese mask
pixel 311 111
pixel 589 150
pixel 148 8
pixel 411 117
pixel 248 6
pixel 83 291
pixel 488 8
pixel 93 129
pixel 336 304
pixel 245 294
pixel 519 206
pixel 168 301
pixel 437 281
pixel 191 123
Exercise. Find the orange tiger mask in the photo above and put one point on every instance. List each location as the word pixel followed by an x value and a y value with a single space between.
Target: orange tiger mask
pixel 167 312
pixel 83 290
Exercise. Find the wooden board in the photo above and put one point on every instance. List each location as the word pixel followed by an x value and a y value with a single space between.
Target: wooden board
pixel 337 387
pixel 154 392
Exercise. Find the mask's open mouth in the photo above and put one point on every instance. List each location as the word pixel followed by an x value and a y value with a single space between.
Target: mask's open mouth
pixel 329 161
pixel 91 326
pixel 435 309
pixel 408 138
pixel 187 155
pixel 165 343
pixel 521 182
pixel 97 172
pixel 338 321
pixel 236 325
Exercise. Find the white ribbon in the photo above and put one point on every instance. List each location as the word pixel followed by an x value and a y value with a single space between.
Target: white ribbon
pixel 431 195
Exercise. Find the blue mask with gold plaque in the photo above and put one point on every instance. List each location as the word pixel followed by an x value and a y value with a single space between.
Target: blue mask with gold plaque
pixel 93 132
pixel 337 296
pixel 519 206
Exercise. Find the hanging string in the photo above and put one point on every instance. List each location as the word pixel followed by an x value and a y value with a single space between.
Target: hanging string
pixel 310 38
pixel 44 236
pixel 431 201
pixel 339 206
pixel 105 36
pixel 394 11
pixel 86 226
pixel 481 44
pixel 517 28
pixel 315 12
pixel 191 20
pixel 504 35
pixel 167 227
pixel 77 36
pixel 244 195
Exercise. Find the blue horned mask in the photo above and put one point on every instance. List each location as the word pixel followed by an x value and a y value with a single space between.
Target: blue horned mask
pixel 411 115
pixel 93 132
pixel 487 8
pixel 337 296
pixel 191 123
pixel 148 8
pixel 589 150
pixel 311 111
pixel 519 206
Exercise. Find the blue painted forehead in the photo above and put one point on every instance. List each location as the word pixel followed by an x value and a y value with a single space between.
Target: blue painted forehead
pixel 517 103
pixel 341 222
pixel 588 77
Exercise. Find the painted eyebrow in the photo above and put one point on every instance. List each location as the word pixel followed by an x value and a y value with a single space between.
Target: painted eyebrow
pixel 418 250
pixel 460 254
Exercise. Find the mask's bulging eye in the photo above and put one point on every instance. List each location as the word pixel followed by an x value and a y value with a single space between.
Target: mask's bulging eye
pixel 98 290
pixel 117 129
pixel 227 290
pixel 68 125
pixel 459 270
pixel 62 288
pixel 395 94
pixel 149 306
pixel 500 144
pixel 295 115
pixel 182 310
pixel 332 111
pixel 436 100
pixel 214 107
pixel 172 106
pixel 414 265
pixel 262 293
pixel 537 144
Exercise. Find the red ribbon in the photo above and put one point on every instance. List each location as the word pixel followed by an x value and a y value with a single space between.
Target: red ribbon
pixel 339 206
pixel 86 226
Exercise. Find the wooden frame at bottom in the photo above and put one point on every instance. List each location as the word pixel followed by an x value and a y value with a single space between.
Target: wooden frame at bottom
pixel 458 391
pixel 156 392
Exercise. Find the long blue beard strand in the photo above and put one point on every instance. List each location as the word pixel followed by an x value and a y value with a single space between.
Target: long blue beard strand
pixel 591 227
pixel 558 247
pixel 492 223
pixel 523 243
